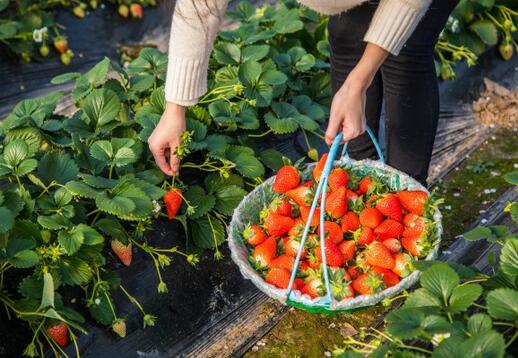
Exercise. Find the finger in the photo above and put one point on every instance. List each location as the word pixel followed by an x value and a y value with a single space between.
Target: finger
pixel 332 128
pixel 161 162
pixel 174 161
pixel 350 131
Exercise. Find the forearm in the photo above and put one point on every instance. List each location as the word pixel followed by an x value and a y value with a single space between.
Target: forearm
pixel 370 62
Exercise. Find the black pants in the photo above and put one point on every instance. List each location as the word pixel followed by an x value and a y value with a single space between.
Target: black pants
pixel 406 82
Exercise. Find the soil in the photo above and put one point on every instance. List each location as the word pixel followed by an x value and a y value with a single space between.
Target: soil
pixel 497 106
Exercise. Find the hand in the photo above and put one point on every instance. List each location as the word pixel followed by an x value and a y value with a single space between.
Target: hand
pixel 166 137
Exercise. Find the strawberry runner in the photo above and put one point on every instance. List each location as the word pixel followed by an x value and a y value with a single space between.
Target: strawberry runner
pixel 264 193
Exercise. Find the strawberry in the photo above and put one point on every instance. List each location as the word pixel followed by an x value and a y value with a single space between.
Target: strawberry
pixel 265 252
pixel 281 207
pixel 334 256
pixel 350 222
pixel 370 217
pixel 298 227
pixel 59 334
pixel 313 287
pixel 413 201
pixel 291 247
pixel 254 235
pixel 389 228
pixel 136 11
pixel 393 245
pixel 338 178
pixel 364 236
pixel 173 200
pixel 389 278
pixel 379 255
pixel 340 284
pixel 123 252
pixel 333 231
pixel 119 327
pixel 389 206
pixel 308 183
pixel 123 10
pixel 317 171
pixel 415 245
pixel 78 11
pixel 367 284
pixel 278 225
pixel 402 265
pixel 298 284
pixel 347 248
pixel 284 261
pixel 351 195
pixel 303 266
pixel 365 184
pixel 415 225
pixel 336 203
pixel 61 44
pixel 301 195
pixel 279 277
pixel 304 213
pixel 287 178
pixel 353 271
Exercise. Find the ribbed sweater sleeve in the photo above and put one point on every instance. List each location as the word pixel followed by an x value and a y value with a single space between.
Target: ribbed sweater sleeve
pixel 193 29
pixel 394 21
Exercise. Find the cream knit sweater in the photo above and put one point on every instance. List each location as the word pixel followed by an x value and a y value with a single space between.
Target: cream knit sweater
pixel 195 24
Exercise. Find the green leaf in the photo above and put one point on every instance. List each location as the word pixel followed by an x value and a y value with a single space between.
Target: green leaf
pixel 281 125
pixel 65 77
pixel 98 73
pixel 486 30
pixel 24 259
pixel 71 240
pixel 305 63
pixel 511 178
pixel 272 159
pixel 214 182
pixel 102 150
pixel 463 297
pixel 3 4
pixel 509 258
pixel 124 156
pixel 502 304
pixel 101 107
pixel 117 205
pixel 202 201
pixel 274 77
pixel 54 222
pixel 62 197
pixel 486 344
pixel 57 166
pixel 207 232
pixel 81 189
pixel 227 53
pixel 324 48
pixel 17 244
pixel 288 22
pixel 405 322
pixel 479 323
pixel 90 236
pixel 422 298
pixel 31 287
pixel 7 221
pixel 246 163
pixel 440 280
pixel 249 72
pixel 228 198
pixel 15 152
pixel 254 52
pixel 47 297
pixel 218 143
pixel 478 233
pixel 74 271
pixel 100 311
pixel 25 167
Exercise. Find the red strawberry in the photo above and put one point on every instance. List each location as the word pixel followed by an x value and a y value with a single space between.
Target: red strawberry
pixel 307 183
pixel 393 245
pixel 370 217
pixel 364 236
pixel 414 245
pixel 254 235
pixel 338 178
pixel 415 225
pixel 301 195
pixel 351 195
pixel 303 266
pixel 265 252
pixel 173 200
pixel 389 206
pixel 350 222
pixel 402 265
pixel 336 203
pixel 333 231
pixel 334 256
pixel 304 213
pixel 298 284
pixel 298 227
pixel 367 284
pixel 348 249
pixel 317 171
pixel 413 200
pixel 313 288
pixel 389 278
pixel 278 225
pixel 281 207
pixel 379 255
pixel 291 247
pixel 287 178
pixel 123 252
pixel 278 277
pixel 284 261
pixel 136 11
pixel 61 44
pixel 353 271
pixel 389 228
pixel 59 334
pixel 365 184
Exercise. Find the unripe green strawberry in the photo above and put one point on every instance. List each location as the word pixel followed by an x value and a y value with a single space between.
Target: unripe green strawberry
pixel 123 10
pixel 119 327
pixel 44 50
pixel 79 11
pixel 93 4
pixel 506 51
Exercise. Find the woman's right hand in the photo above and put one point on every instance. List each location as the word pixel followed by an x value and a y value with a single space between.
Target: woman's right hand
pixel 166 137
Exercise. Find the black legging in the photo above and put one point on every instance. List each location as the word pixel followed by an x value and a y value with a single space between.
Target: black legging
pixel 407 82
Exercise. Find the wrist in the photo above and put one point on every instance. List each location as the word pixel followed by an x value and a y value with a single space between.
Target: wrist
pixel 358 80
pixel 174 109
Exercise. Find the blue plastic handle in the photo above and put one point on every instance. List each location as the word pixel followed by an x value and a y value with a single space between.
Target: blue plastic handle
pixel 374 141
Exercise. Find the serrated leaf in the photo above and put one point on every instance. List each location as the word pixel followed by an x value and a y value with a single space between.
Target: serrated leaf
pixel 54 222
pixel 274 77
pixel 116 205
pixel 24 259
pixel 65 77
pixel 281 125
pixel 202 201
pixel 15 152
pixel 463 297
pixel 98 181
pixel 511 178
pixel 124 156
pixel 101 107
pixel 228 198
pixel 486 30
pixel 207 232
pixel 227 53
pixel 272 159
pixel 25 167
pixel 102 150
pixel 7 221
pixel 479 323
pixel 81 189
pixel 440 280
pixel 288 22
pixel 246 162
pixel 502 304
pixel 405 323
pixel 113 228
pixel 218 142
pixel 254 52
pixel 62 197
pixel 214 182
pixel 509 258
pixel 17 244
pixel 101 311
pixel 478 233
pixel 74 271
pixel 486 344
pixel 31 287
pixel 90 236
pixel 249 72
pixel 422 298
pixel 71 240
pixel 57 166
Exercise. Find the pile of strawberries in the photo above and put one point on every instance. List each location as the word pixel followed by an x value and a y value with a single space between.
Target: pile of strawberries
pixel 372 235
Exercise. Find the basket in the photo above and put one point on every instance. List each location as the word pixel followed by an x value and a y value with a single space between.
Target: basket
pixel 249 208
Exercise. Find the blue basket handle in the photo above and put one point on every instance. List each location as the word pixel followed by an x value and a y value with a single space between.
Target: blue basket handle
pixel 374 141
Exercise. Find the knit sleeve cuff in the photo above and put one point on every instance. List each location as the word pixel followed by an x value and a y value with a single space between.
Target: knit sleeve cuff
pixel 393 23
pixel 186 80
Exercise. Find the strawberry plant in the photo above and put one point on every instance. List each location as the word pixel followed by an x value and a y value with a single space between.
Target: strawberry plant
pixel 457 311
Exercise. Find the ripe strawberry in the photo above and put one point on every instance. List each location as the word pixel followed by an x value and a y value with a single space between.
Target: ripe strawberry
pixel 379 255
pixel 333 231
pixel 389 206
pixel 338 178
pixel 254 235
pixel 365 184
pixel 336 203
pixel 334 256
pixel 173 200
pixel 265 252
pixel 413 201
pixel 136 11
pixel 348 249
pixel 298 284
pixel 301 195
pixel 402 265
pixel 119 327
pixel 389 278
pixel 389 228
pixel 317 170
pixel 313 288
pixel 287 178
pixel 59 334
pixel 284 261
pixel 279 277
pixel 351 195
pixel 303 266
pixel 278 225
pixel 367 284
pixel 364 236
pixel 123 252
pixel 123 10
pixel 415 245
pixel 61 44
pixel 292 245
pixel 298 228
pixel 415 225
pixel 353 271
pixel 304 213
pixel 370 217
pixel 350 222
pixel 393 245
pixel 281 207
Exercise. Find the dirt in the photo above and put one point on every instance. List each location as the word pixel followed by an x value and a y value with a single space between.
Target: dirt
pixel 497 106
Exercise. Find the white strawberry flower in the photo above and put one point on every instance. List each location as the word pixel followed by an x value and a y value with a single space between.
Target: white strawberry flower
pixel 439 337
pixel 156 207
pixel 37 34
